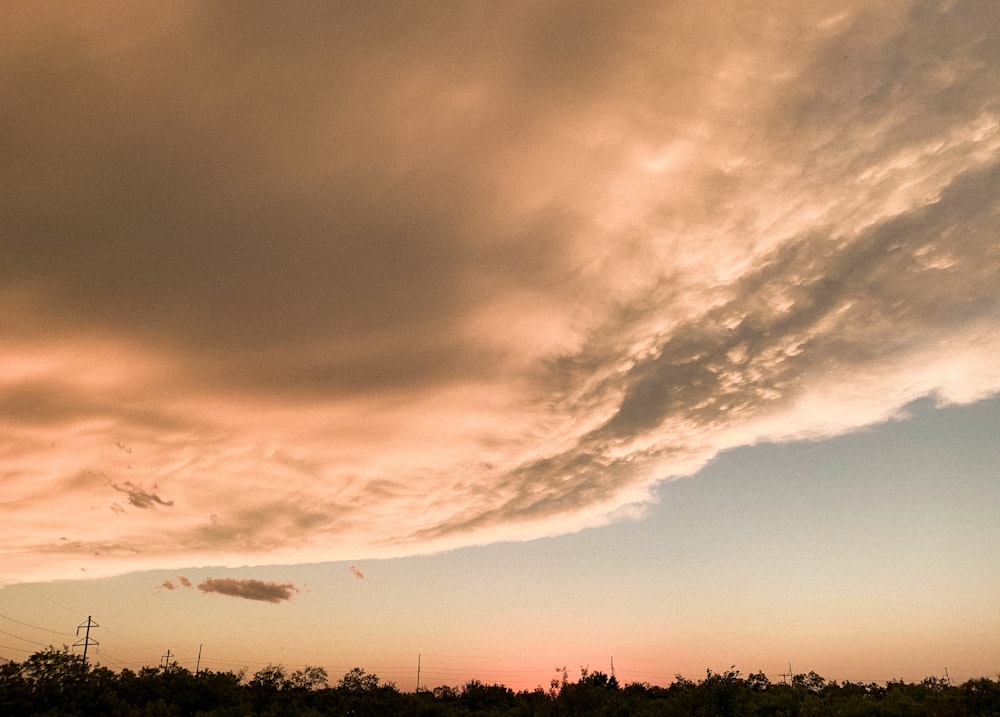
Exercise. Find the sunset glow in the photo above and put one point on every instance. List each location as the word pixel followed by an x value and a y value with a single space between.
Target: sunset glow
pixel 333 290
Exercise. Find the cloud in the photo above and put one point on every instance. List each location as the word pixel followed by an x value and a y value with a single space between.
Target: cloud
pixel 364 283
pixel 140 498
pixel 233 587
pixel 357 573
pixel 249 589
pixel 171 585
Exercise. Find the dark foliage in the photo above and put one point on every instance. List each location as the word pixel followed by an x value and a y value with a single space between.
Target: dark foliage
pixel 58 683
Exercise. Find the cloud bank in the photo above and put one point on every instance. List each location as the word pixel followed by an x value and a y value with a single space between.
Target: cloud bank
pixel 349 282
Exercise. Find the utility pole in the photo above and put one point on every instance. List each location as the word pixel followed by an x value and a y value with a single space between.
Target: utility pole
pixel 197 667
pixel 86 641
pixel 418 672
pixel 787 674
pixel 612 667
pixel 166 658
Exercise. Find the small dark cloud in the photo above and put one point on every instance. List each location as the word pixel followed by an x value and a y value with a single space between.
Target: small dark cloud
pixel 171 585
pixel 139 497
pixel 357 573
pixel 249 589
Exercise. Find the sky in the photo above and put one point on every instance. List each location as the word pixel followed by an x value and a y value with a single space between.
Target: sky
pixel 510 335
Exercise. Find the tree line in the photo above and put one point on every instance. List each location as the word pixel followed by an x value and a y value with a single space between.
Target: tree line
pixel 58 683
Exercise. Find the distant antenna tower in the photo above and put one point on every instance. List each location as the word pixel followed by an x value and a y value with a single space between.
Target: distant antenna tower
pixel 86 641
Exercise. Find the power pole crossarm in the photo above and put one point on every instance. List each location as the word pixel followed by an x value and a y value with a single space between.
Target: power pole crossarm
pixel 86 641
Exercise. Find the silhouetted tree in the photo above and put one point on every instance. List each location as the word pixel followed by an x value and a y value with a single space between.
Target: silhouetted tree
pixel 56 683
pixel 308 678
pixel 357 681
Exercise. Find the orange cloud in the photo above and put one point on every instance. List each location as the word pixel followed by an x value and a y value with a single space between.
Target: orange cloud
pixel 322 309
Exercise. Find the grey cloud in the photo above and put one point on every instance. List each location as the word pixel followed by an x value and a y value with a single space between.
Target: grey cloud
pixel 752 352
pixel 249 589
pixel 254 187
pixel 557 485
pixel 932 71
pixel 177 220
pixel 139 497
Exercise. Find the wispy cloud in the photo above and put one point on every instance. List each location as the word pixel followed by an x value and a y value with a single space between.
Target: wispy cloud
pixel 249 589
pixel 401 279
pixel 139 497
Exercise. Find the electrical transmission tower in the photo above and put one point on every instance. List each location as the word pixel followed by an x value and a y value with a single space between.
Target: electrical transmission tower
pixel 86 641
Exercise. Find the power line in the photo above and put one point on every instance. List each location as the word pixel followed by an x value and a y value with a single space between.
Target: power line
pixel 45 597
pixel 105 657
pixel 18 649
pixel 36 627
pixel 11 634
